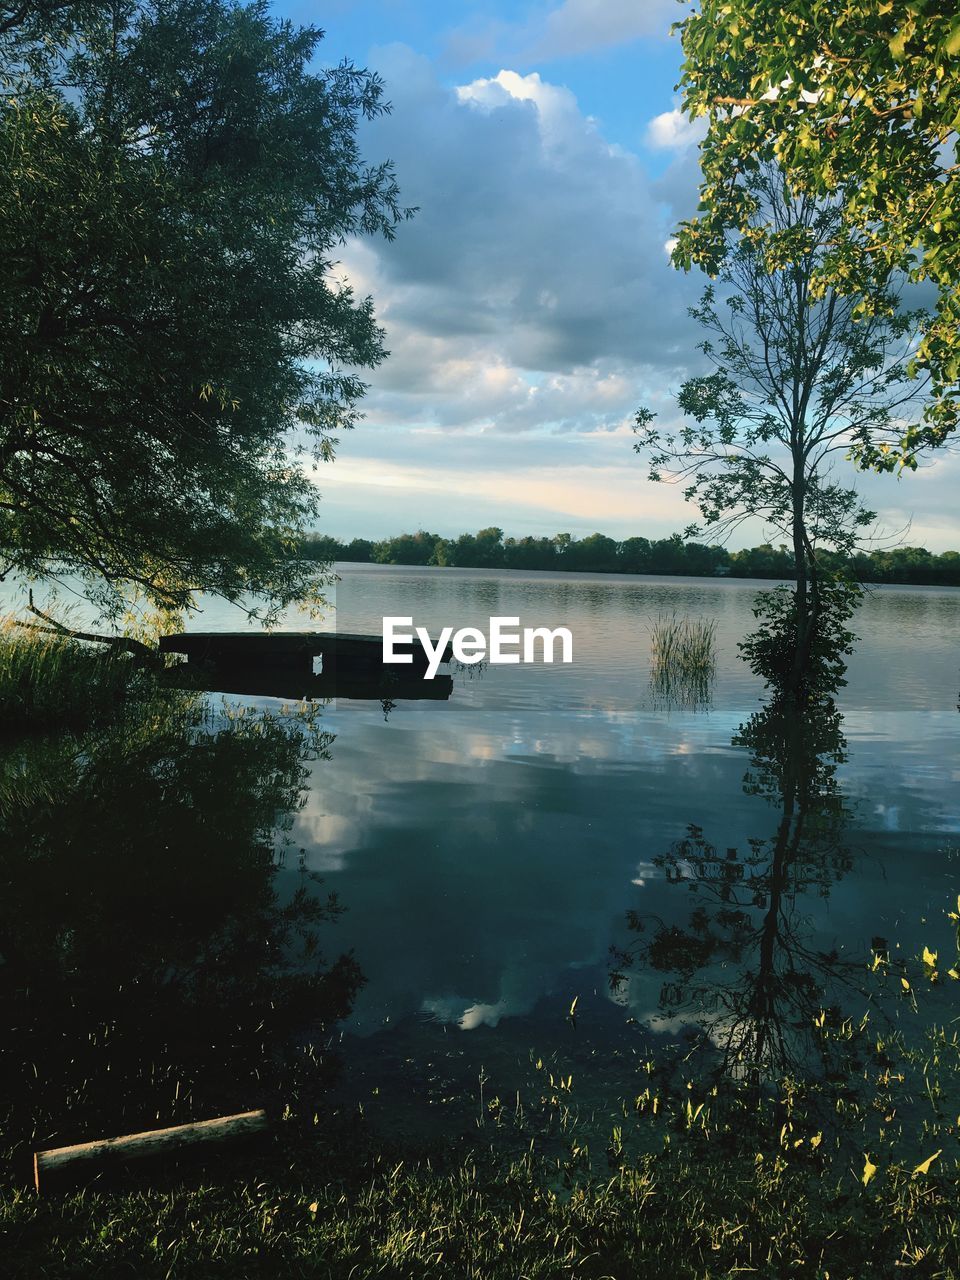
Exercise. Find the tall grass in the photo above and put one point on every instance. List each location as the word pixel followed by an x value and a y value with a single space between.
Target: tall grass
pixel 683 659
pixel 50 681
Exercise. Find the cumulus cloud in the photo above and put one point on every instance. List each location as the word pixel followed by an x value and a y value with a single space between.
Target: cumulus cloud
pixel 530 307
pixel 675 131
pixel 531 290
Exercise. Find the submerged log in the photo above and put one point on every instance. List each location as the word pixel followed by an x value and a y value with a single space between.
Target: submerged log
pixel 150 1143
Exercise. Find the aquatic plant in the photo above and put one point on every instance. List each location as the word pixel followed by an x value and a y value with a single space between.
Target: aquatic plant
pixel 48 680
pixel 683 646
pixel 683 659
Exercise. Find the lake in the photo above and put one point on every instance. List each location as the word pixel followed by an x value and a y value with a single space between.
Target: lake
pixel 490 848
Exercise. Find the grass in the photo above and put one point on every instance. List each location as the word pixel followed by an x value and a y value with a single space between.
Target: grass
pixel 339 1206
pixel 694 1182
pixel 52 682
pixel 683 646
pixel 683 659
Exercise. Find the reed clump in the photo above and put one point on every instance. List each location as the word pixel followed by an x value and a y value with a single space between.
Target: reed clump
pixel 684 646
pixel 683 659
pixel 52 681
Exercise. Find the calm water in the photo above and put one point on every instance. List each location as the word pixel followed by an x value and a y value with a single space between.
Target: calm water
pixel 488 848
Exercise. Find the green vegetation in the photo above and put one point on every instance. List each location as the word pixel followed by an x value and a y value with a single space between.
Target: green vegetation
pixel 716 1158
pixel 683 644
pixel 48 681
pixel 858 101
pixel 798 379
pixel 683 658
pixel 688 1180
pixel 175 187
pixel 601 554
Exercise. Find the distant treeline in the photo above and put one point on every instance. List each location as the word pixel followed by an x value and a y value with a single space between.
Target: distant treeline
pixel 489 549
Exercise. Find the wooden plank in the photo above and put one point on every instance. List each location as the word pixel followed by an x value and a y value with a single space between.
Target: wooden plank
pixel 280 646
pixel 202 644
pixel 151 1142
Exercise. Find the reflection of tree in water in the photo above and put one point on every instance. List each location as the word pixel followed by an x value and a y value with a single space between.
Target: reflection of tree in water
pixel 744 963
pixel 152 968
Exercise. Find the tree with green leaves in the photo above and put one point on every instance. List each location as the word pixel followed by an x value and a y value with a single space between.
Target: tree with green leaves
pixel 176 347
pixel 859 101
pixel 798 377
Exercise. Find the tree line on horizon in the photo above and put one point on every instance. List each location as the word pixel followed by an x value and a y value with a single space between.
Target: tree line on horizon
pixel 598 553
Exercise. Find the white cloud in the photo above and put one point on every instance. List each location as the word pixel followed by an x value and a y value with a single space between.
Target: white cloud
pixel 675 131
pixel 532 286
pixel 530 307
pixel 577 26
pixel 529 300
pixel 569 29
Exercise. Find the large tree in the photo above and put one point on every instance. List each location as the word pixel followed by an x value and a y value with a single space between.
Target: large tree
pixel 175 343
pixel 798 379
pixel 859 99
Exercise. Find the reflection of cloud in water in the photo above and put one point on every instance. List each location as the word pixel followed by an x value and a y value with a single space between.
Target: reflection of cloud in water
pixel 485 846
pixel 328 837
pixel 469 1016
pixel 490 880
pixel 487 881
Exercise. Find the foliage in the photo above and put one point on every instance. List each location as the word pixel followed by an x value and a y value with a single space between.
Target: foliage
pixel 858 101
pixel 658 556
pixel 797 379
pixel 410 548
pixel 175 185
pixel 484 550
pixel 739 1189
pixel 770 649
pixel 47 681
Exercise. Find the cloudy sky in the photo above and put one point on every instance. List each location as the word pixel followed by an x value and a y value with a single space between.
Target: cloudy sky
pixel 530 306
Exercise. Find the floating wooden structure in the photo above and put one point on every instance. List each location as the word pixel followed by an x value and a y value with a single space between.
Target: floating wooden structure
pixel 295 650
pixel 150 1143
pixel 292 686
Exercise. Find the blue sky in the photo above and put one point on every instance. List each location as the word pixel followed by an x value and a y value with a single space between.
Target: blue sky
pixel 530 306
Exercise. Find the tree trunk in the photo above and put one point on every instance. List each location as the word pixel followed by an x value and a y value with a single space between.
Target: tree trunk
pixel 804 605
pixel 124 644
